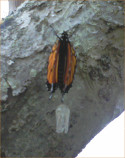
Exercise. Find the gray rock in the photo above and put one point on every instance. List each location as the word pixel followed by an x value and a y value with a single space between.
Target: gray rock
pixel 96 31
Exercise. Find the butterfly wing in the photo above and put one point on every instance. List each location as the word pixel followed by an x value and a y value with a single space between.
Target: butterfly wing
pixel 52 75
pixel 70 68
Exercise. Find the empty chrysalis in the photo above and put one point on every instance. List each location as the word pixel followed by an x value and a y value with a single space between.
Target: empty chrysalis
pixel 62 118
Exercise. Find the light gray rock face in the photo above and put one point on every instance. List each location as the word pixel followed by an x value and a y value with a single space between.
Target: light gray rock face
pixel 28 117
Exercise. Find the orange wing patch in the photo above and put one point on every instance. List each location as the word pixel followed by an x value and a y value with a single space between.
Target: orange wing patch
pixel 52 75
pixel 71 64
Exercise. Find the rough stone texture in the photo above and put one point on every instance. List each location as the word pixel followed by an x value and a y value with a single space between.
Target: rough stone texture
pixel 13 4
pixel 95 30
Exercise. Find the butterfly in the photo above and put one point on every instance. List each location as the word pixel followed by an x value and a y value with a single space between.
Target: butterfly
pixel 61 65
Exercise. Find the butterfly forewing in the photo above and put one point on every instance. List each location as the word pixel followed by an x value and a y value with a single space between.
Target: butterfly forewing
pixel 52 75
pixel 71 64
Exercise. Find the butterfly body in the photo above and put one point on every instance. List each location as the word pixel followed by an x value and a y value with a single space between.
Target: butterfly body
pixel 61 66
pixel 63 52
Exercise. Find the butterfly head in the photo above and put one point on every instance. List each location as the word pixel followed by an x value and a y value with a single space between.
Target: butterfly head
pixel 64 36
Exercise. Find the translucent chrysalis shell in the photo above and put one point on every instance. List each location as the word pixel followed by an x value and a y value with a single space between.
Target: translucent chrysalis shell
pixel 62 118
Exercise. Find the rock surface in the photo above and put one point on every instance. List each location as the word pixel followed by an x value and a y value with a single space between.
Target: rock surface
pixel 28 117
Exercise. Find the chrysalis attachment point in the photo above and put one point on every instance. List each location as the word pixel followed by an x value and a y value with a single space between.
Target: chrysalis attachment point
pixel 62 100
pixel 62 118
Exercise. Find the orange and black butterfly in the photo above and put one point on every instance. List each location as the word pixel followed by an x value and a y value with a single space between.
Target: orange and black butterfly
pixel 61 65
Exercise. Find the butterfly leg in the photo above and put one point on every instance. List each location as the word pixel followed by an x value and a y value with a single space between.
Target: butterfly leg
pixel 50 97
pixel 51 93
pixel 62 99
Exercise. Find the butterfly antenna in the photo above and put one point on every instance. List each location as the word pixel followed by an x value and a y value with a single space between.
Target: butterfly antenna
pixel 55 32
